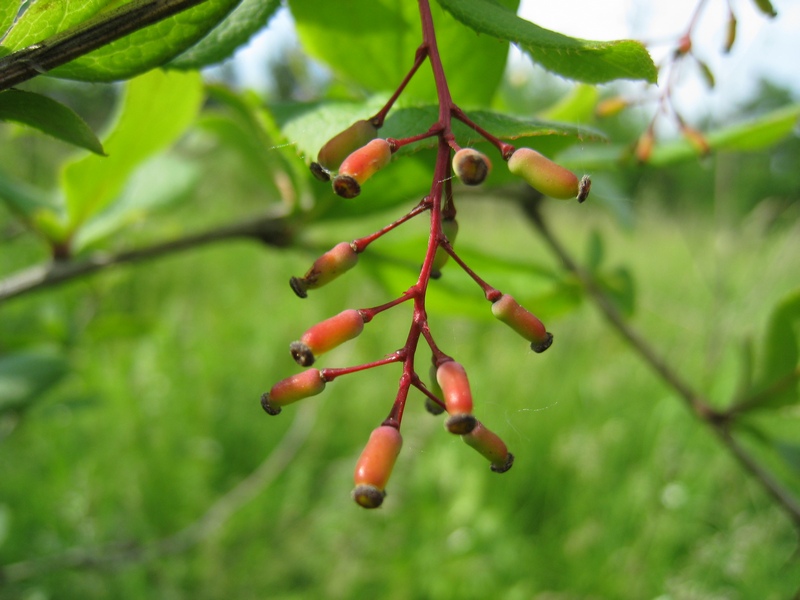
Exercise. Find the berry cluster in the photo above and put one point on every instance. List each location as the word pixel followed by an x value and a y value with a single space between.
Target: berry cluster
pixel 347 161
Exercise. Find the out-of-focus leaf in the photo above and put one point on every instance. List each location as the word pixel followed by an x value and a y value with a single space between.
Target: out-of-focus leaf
pixel 162 181
pixel 790 453
pixel 25 376
pixel 583 60
pixel 381 38
pixel 48 116
pixel 44 19
pixel 576 107
pixel 765 6
pixel 594 251
pixel 234 31
pixel 781 353
pixel 156 109
pixel 620 287
pixel 751 136
pixel 149 47
pixel 20 197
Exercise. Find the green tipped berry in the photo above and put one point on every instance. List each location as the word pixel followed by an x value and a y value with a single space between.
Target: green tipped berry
pixel 471 166
pixel 543 174
pixel 339 259
pixel 490 446
pixel 326 335
pixel 375 465
pixel 344 143
pixel 294 388
pixel 360 166
pixel 450 230
pixel 523 322
pixel 452 378
pixel 431 406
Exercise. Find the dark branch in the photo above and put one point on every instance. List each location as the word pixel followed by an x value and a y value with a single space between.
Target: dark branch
pixel 98 31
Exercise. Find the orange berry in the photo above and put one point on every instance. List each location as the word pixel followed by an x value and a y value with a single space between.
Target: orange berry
pixel 360 166
pixel 339 259
pixel 375 465
pixel 490 446
pixel 523 322
pixel 452 378
pixel 294 388
pixel 326 335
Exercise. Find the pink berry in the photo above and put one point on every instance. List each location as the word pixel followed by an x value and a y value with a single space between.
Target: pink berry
pixel 375 465
pixel 540 172
pixel 360 166
pixel 294 388
pixel 523 322
pixel 326 335
pixel 339 259
pixel 490 446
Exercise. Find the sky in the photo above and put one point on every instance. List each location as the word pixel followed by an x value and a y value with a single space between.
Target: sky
pixel 764 47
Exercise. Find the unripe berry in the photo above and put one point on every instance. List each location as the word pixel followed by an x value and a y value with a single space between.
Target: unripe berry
pixel 375 465
pixel 490 446
pixel 450 230
pixel 523 322
pixel 294 388
pixel 431 406
pixel 339 259
pixel 543 174
pixel 452 378
pixel 326 335
pixel 344 143
pixel 360 166
pixel 471 166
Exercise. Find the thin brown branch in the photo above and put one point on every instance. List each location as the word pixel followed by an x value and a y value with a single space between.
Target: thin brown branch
pixel 92 34
pixel 273 231
pixel 719 422
pixel 209 524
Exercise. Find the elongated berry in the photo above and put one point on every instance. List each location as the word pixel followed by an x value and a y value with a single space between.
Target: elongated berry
pixel 294 388
pixel 431 406
pixel 543 174
pixel 470 166
pixel 339 259
pixel 450 230
pixel 360 166
pixel 344 143
pixel 452 378
pixel 375 465
pixel 326 335
pixel 490 446
pixel 525 323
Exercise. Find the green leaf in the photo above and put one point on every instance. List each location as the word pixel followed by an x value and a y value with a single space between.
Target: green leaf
pixel 619 285
pixel 372 43
pixel 8 12
pixel 161 181
pixel 48 116
pixel 582 60
pixel 149 47
pixel 42 20
pixel 25 376
pixel 236 30
pixel 594 251
pixel 750 136
pixel 22 198
pixel 156 109
pixel 576 107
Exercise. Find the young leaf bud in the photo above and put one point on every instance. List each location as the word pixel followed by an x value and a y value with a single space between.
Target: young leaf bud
pixel 450 230
pixel 339 259
pixel 543 174
pixel 375 465
pixel 452 378
pixel 326 335
pixel 294 388
pixel 490 446
pixel 471 166
pixel 523 322
pixel 360 166
pixel 344 143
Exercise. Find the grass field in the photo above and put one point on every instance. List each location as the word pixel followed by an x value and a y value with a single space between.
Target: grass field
pixel 617 492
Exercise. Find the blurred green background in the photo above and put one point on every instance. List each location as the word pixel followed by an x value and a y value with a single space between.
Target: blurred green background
pixel 148 414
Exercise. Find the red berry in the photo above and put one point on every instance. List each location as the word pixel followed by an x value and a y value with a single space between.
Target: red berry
pixel 452 378
pixel 490 446
pixel 326 335
pixel 339 259
pixel 294 388
pixel 523 322
pixel 360 166
pixel 543 174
